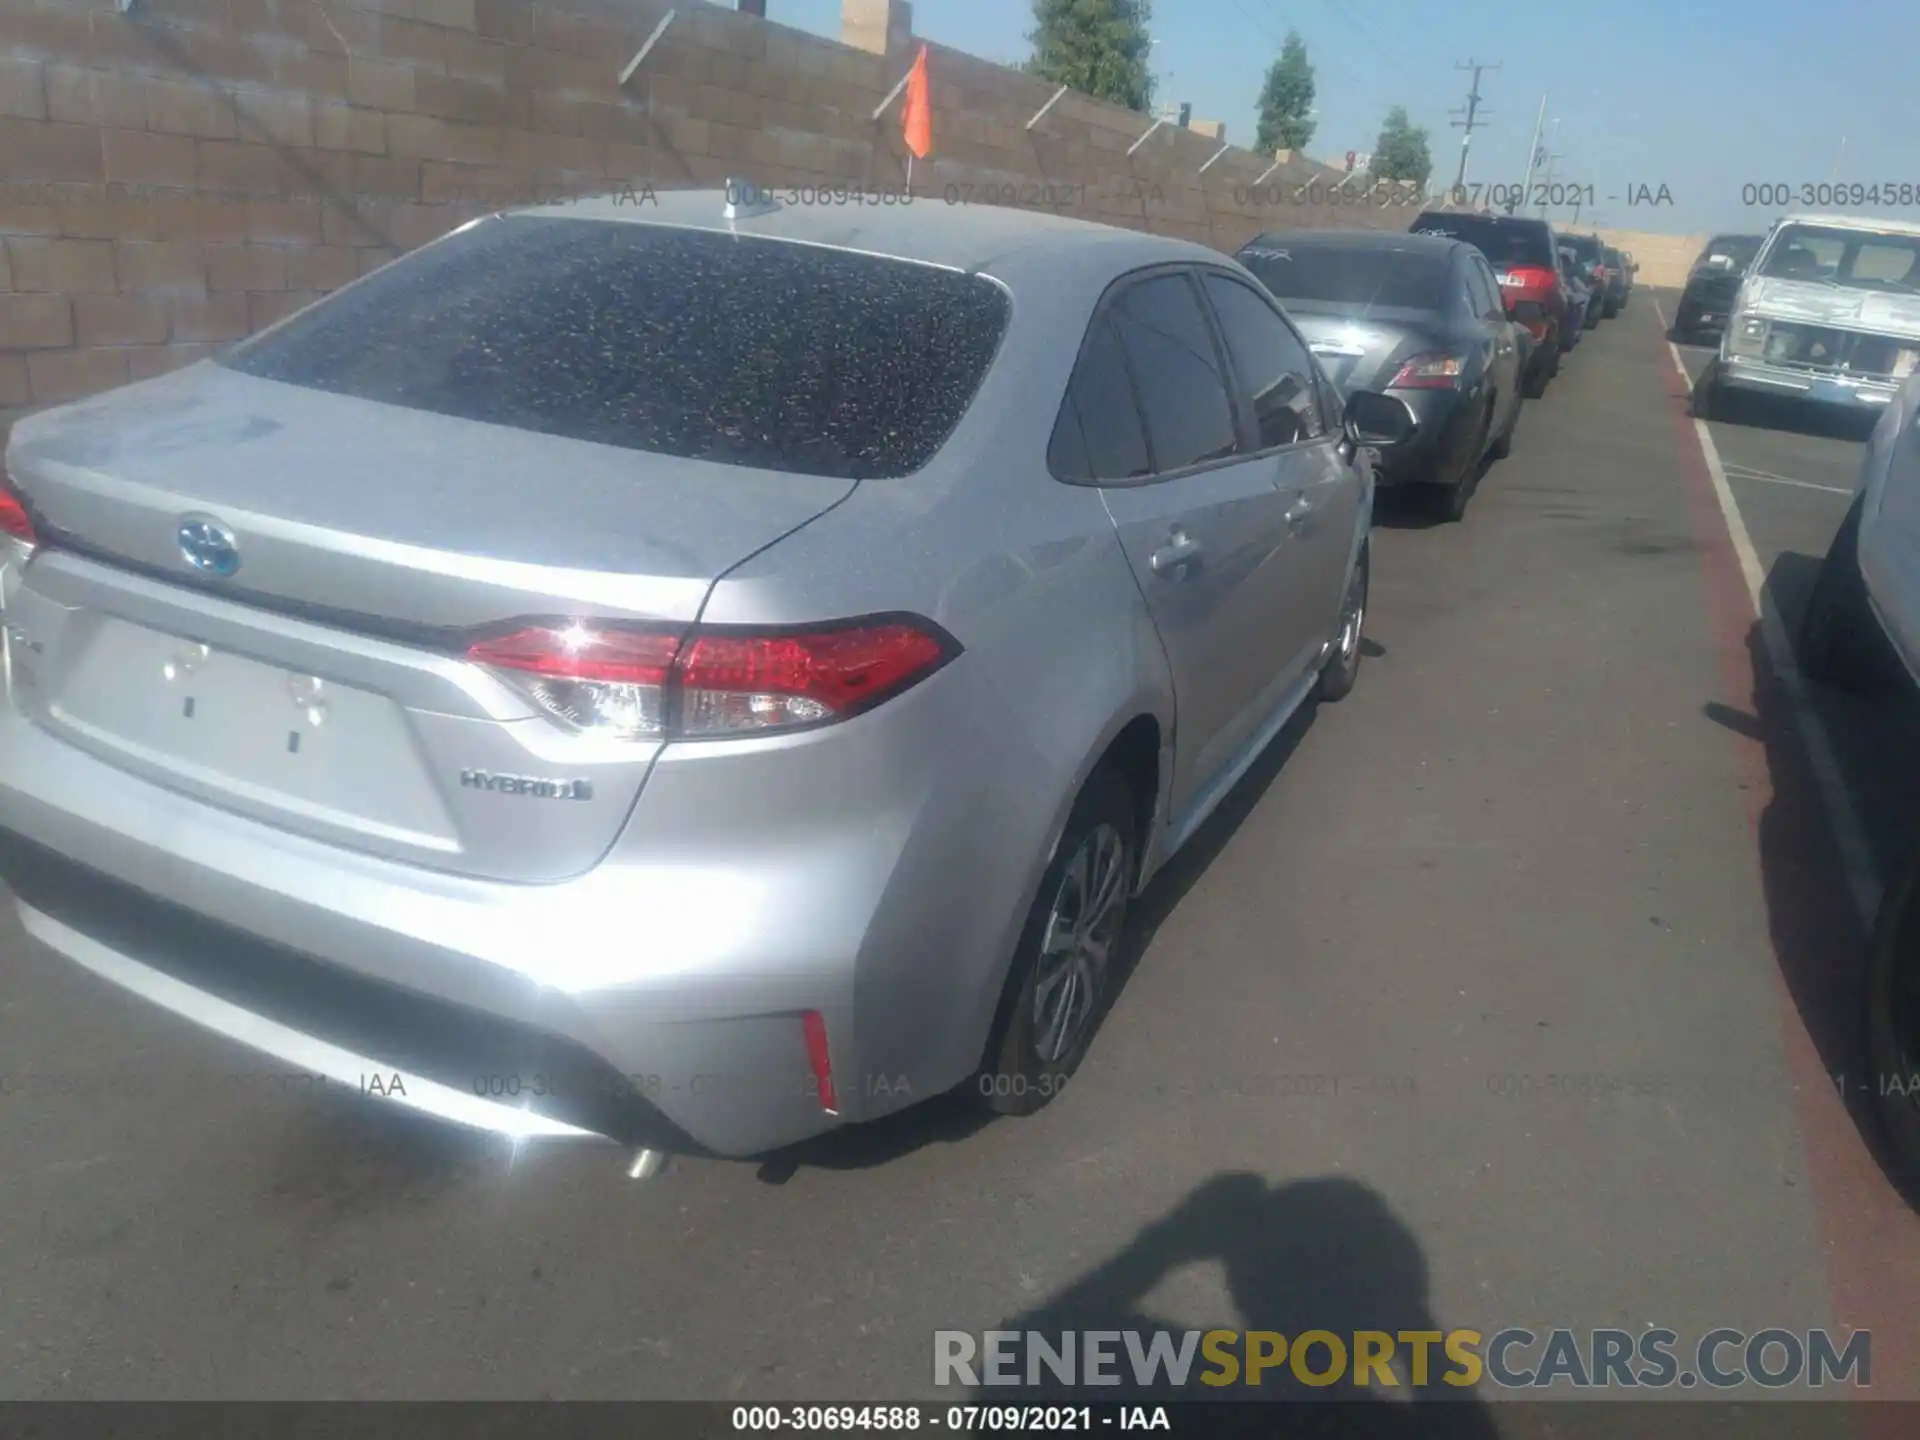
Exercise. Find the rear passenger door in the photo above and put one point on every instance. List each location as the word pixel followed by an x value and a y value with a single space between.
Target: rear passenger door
pixel 1149 419
pixel 1504 365
pixel 1293 433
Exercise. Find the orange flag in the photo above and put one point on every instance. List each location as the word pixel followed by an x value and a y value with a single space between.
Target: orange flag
pixel 916 117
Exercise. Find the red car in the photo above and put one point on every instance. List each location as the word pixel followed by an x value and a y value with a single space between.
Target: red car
pixel 1525 255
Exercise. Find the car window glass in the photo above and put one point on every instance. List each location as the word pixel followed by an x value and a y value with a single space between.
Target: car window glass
pixel 1098 434
pixel 660 339
pixel 1272 362
pixel 1491 305
pixel 1176 370
pixel 1473 299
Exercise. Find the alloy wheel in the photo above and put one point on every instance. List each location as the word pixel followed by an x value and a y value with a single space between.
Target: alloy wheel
pixel 1077 945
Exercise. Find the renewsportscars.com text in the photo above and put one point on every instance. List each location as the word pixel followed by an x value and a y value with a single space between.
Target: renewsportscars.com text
pixel 1509 1359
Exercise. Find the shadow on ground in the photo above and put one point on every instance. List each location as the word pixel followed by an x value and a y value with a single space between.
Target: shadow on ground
pixel 1817 934
pixel 1321 1254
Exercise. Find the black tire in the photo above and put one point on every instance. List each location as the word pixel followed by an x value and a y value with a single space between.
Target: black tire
pixel 1890 995
pixel 1840 641
pixel 1017 1076
pixel 1555 350
pixel 1448 503
pixel 1706 402
pixel 1534 383
pixel 1342 670
pixel 1612 309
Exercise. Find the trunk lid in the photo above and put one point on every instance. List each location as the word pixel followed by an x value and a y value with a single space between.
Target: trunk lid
pixel 319 686
pixel 1363 349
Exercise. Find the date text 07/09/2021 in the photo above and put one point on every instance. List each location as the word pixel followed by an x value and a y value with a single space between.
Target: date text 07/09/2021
pixel 960 1419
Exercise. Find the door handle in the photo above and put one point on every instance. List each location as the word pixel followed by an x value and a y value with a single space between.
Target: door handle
pixel 1300 512
pixel 1173 559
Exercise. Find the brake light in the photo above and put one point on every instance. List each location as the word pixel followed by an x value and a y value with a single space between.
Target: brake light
pixel 632 682
pixel 1429 372
pixel 14 519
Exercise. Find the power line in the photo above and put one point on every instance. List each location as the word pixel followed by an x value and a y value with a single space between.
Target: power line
pixel 1472 115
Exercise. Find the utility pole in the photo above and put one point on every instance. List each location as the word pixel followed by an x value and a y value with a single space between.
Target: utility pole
pixel 1466 126
pixel 1533 157
pixel 1553 158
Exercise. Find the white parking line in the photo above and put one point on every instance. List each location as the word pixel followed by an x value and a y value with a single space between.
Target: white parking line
pixel 1741 472
pixel 1849 835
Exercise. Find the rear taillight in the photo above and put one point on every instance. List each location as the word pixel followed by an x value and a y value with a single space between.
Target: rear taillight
pixel 631 682
pixel 1429 372
pixel 14 519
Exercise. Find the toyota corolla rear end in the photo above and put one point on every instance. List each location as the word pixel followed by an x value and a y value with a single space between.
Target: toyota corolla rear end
pixel 361 709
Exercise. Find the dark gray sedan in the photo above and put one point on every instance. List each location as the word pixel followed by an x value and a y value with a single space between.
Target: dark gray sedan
pixel 1419 317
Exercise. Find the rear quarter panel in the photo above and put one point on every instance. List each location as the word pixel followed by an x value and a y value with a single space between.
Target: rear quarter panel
pixel 970 776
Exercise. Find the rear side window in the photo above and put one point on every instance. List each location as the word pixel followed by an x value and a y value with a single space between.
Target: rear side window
pixel 1273 365
pixel 1176 370
pixel 1505 242
pixel 1098 435
pixel 1483 289
pixel 689 343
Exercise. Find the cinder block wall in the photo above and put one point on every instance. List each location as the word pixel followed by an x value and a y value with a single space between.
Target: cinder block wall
pixel 174 178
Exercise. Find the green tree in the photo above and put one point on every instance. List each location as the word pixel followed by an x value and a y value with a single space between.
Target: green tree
pixel 1286 99
pixel 1401 151
pixel 1099 47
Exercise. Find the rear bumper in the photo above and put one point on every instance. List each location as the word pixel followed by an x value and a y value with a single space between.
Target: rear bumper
pixel 515 1009
pixel 1838 391
pixel 1436 451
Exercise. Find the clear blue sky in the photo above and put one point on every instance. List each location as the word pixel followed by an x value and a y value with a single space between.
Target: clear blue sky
pixel 1702 97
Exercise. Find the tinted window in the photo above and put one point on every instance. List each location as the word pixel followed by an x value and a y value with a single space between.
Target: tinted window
pixel 682 342
pixel 1740 249
pixel 1486 289
pixel 1098 434
pixel 1171 351
pixel 1372 275
pixel 1505 242
pixel 1273 365
pixel 1585 248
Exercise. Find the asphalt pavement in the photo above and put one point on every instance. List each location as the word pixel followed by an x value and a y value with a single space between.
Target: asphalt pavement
pixel 1493 976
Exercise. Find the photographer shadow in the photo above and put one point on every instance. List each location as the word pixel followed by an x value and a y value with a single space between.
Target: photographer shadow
pixel 1321 1254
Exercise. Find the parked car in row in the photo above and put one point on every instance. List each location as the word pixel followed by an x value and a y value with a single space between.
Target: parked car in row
pixel 1579 297
pixel 1713 281
pixel 1619 280
pixel 1590 262
pixel 1828 314
pixel 1524 255
pixel 701 674
pixel 1418 317
pixel 1860 630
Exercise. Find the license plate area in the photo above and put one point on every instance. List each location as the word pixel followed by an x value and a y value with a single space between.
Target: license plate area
pixel 245 733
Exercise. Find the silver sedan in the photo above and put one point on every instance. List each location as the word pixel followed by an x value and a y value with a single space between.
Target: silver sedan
pixel 697 673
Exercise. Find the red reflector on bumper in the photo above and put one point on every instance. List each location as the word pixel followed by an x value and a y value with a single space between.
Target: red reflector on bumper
pixel 820 1059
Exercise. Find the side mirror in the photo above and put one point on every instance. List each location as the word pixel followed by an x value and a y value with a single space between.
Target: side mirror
pixel 1376 419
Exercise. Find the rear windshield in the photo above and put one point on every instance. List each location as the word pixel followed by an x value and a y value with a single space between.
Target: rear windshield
pixel 1584 247
pixel 690 343
pixel 1740 249
pixel 1363 276
pixel 1506 243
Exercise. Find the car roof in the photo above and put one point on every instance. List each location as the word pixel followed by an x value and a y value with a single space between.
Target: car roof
pixel 1530 221
pixel 966 237
pixel 1401 240
pixel 1856 222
